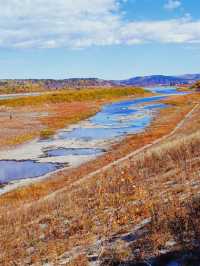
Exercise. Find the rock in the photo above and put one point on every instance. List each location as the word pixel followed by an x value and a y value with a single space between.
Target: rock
pixel 42 237
pixel 66 222
pixel 163 251
pixel 30 250
pixel 137 251
pixel 170 243
pixel 43 226
pixel 28 261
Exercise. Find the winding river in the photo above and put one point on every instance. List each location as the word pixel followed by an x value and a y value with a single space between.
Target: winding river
pixel 82 142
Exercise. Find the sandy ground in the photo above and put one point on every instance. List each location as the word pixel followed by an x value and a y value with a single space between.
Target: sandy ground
pixel 22 124
pixel 16 124
pixel 18 95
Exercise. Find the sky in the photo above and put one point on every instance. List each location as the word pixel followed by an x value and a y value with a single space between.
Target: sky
pixel 109 39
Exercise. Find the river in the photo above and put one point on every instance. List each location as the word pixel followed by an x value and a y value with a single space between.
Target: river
pixel 82 142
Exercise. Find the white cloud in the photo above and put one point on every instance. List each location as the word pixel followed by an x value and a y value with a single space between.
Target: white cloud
pixel 170 31
pixel 49 23
pixel 172 4
pixel 83 23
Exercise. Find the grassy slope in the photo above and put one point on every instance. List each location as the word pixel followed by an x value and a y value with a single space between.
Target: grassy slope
pixel 111 202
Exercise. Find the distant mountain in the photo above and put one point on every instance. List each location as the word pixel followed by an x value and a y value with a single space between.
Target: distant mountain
pixel 161 80
pixel 78 82
pixel 191 77
pixel 53 84
pixel 29 85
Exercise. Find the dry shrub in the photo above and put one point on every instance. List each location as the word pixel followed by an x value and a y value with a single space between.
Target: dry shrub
pixel 116 254
pixel 81 260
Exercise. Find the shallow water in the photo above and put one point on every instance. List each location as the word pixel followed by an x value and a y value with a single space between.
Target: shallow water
pixel 164 90
pixel 73 151
pixel 116 120
pixel 173 263
pixel 14 170
pixel 83 140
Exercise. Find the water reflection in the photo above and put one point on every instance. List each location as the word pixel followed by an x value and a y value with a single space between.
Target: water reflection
pixel 14 170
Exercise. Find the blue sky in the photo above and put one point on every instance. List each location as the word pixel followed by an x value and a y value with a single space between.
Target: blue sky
pixel 111 39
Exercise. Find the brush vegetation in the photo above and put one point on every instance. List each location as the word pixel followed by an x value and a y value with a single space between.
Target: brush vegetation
pixel 74 95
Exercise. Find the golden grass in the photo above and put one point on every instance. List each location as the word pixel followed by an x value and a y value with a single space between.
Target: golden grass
pixel 62 116
pixel 181 100
pixel 111 202
pixel 73 95
pixel 13 141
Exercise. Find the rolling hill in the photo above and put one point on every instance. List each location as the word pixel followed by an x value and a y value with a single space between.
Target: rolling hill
pixel 30 85
pixel 161 80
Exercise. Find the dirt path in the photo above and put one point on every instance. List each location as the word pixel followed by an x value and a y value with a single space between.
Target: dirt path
pixel 19 95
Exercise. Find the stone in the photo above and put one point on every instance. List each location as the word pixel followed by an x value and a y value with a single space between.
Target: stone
pixel 30 250
pixel 43 226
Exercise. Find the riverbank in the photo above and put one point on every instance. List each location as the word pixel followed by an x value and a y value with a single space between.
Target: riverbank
pixel 79 143
pixel 86 204
pixel 27 118
pixel 161 125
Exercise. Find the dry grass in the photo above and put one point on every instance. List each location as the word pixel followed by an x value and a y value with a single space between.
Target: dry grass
pixel 162 125
pixel 28 123
pixel 170 176
pixel 41 116
pixel 74 96
pixel 111 202
pixel 29 88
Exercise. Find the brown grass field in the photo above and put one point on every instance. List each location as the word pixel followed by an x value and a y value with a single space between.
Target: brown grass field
pixel 68 219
